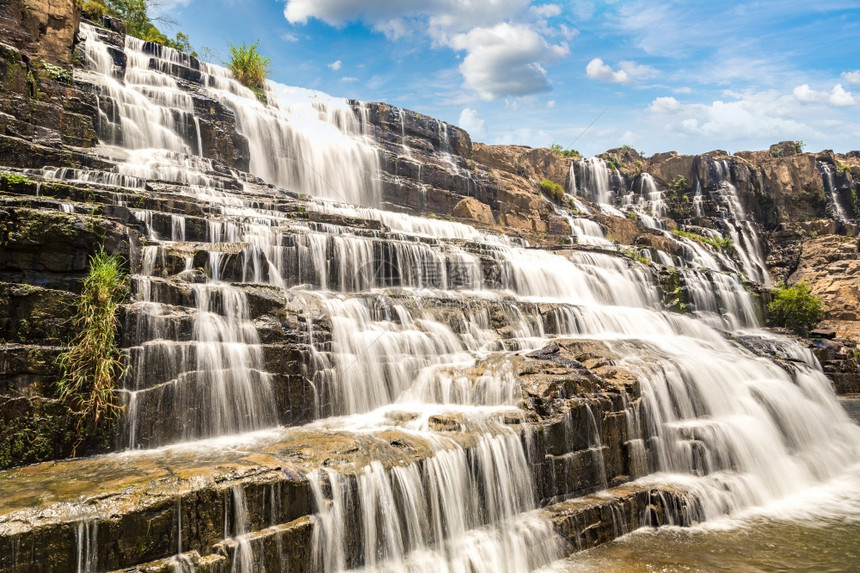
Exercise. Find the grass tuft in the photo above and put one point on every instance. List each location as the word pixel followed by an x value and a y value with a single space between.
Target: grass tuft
pixel 249 67
pixel 93 364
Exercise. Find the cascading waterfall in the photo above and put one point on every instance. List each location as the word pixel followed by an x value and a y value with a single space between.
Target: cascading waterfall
pixel 594 180
pixel 833 202
pixel 414 301
pixel 740 229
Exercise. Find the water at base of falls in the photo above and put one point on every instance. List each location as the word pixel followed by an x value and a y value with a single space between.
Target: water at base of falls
pixel 410 303
pixel 818 530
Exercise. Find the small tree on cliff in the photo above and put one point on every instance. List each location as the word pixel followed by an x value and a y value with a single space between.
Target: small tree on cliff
pixel 795 308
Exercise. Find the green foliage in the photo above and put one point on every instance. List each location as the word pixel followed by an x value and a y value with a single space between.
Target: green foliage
pixel 677 186
pixel 13 179
pixel 636 255
pixel 842 167
pixel 724 244
pixel 553 190
pixel 613 163
pixel 93 365
pixel 94 11
pixel 795 308
pixel 556 148
pixel 249 66
pixel 56 72
pixel 798 146
pixel 139 23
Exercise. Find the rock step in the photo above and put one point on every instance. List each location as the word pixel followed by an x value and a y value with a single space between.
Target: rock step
pixel 592 520
pixel 582 523
pixel 136 503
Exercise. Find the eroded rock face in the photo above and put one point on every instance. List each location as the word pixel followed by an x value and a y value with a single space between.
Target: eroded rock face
pixel 44 28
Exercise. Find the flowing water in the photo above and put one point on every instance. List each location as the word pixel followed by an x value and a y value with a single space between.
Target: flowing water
pixel 818 530
pixel 739 430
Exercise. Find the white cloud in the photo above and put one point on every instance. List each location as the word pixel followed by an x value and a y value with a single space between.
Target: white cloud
pixel 597 70
pixel 470 121
pixel 550 104
pixel 806 94
pixel 451 15
pixel 504 41
pixel 753 115
pixel 505 60
pixel 336 65
pixel 546 10
pixel 348 79
pixel 290 37
pixel 838 96
pixel 852 77
pixel 665 104
pixel 627 73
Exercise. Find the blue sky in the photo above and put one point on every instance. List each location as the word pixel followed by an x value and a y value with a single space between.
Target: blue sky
pixel 659 76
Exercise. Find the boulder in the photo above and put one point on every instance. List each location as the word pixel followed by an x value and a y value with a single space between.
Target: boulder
pixel 473 210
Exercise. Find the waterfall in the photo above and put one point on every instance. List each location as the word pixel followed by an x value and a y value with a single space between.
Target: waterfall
pixel 594 180
pixel 833 202
pixel 415 328
pixel 302 140
pixel 452 514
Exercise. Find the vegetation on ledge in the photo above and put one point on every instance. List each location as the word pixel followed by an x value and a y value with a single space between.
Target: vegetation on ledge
pixel 93 365
pixel 724 244
pixel 552 190
pixel 250 67
pixel 795 308
pixel 572 153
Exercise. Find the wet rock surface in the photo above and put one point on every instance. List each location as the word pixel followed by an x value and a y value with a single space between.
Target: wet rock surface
pixel 136 501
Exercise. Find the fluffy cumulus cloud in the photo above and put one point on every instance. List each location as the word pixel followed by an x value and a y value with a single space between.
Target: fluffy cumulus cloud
pixel 505 60
pixel 335 66
pixel 627 72
pixel 505 42
pixel 838 96
pixel 665 104
pixel 470 121
pixel 852 77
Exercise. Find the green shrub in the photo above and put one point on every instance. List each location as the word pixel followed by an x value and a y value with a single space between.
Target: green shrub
pixel 798 146
pixel 724 244
pixel 677 186
pixel 553 190
pixel 13 179
pixel 92 365
pixel 94 11
pixel 556 148
pixel 795 308
pixel 249 67
pixel 56 72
